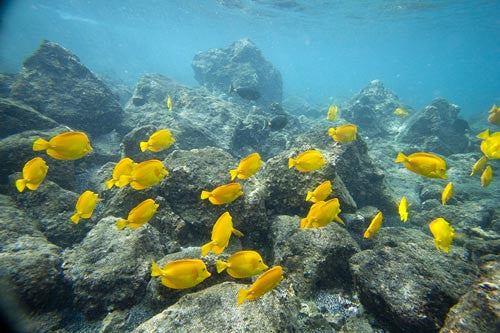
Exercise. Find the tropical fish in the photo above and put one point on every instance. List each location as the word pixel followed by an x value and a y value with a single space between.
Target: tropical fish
pixel 139 215
pixel 487 176
pixel 34 172
pixel 264 283
pixel 479 165
pixel 169 103
pixel 223 194
pixel 443 234
pixel 331 115
pixel 494 116
pixel 401 112
pixel 181 274
pixel 321 214
pixel 344 134
pixel 247 167
pixel 122 168
pixel 320 193
pixel 158 141
pixel 424 164
pixel 490 146
pixel 278 122
pixel 403 209
pixel 309 160
pixel 65 146
pixel 248 93
pixel 85 206
pixel 144 175
pixel 447 193
pixel 242 264
pixel 374 226
pixel 221 232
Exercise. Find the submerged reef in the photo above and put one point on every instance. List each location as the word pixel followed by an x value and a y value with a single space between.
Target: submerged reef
pixel 65 277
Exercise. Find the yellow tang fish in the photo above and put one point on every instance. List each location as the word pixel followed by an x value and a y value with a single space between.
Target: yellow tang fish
pixel 122 168
pixel 144 175
pixel 447 193
pixel 320 193
pixel 424 164
pixel 139 215
pixel 487 176
pixel 169 103
pixel 85 206
pixel 401 112
pixel 181 274
pixel 374 226
pixel 403 209
pixel 242 264
pixel 443 234
pixel 34 172
pixel 247 167
pixel 223 194
pixel 221 232
pixel 264 283
pixel 344 134
pixel 65 146
pixel 321 214
pixel 309 160
pixel 158 141
pixel 490 146
pixel 332 113
pixel 479 165
pixel 494 116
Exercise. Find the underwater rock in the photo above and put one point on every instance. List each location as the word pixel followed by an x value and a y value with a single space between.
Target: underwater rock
pixel 438 129
pixel 215 310
pixel 55 83
pixel 16 117
pixel 241 65
pixel 312 258
pixel 110 269
pixel 407 283
pixel 6 82
pixel 479 309
pixel 372 110
pixel 16 150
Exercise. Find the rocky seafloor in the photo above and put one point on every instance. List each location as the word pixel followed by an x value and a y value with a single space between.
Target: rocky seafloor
pixel 60 277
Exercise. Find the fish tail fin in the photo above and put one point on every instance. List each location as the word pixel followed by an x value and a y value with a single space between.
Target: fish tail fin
pixel 303 223
pixel 143 145
pixel 484 134
pixel 242 295
pixel 331 131
pixel 236 232
pixel 40 144
pixel 233 173
pixel 401 157
pixel 309 195
pixel 231 88
pixel 155 269
pixel 109 183
pixel 75 218
pixel 339 220
pixel 20 184
pixel 291 163
pixel 120 224
pixel 221 265
pixel 205 195
pixel 124 180
pixel 205 249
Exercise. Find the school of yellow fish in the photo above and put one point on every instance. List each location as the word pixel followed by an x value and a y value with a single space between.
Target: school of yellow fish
pixel 187 273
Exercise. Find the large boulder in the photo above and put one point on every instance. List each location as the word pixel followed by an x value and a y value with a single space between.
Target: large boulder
pixel 242 65
pixel 55 83
pixel 438 128
pixel 409 285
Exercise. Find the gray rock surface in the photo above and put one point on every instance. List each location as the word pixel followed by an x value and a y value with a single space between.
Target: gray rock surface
pixel 242 65
pixel 407 283
pixel 55 83
pixel 6 81
pixel 110 269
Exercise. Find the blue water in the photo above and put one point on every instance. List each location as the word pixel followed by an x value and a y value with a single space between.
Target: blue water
pixel 418 49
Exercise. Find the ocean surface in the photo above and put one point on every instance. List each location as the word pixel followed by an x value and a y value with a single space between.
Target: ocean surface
pixel 249 166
